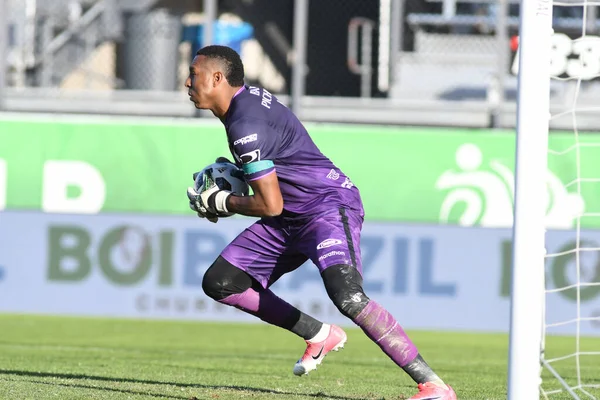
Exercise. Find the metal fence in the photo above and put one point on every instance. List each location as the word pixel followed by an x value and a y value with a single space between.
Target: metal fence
pixel 427 62
pixel 92 45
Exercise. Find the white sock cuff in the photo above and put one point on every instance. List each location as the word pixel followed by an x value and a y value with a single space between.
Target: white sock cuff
pixel 322 334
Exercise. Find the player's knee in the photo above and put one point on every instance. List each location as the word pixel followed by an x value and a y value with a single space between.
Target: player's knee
pixel 213 282
pixel 344 287
pixel 222 279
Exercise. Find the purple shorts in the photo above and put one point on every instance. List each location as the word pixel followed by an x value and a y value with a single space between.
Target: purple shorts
pixel 271 247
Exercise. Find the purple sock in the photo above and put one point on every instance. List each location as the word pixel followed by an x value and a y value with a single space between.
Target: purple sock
pixel 382 328
pixel 272 310
pixel 265 305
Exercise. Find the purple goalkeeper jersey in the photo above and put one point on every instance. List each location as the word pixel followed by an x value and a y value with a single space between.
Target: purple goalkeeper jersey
pixel 265 137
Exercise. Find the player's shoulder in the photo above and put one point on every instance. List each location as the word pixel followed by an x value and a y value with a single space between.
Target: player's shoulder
pixel 248 125
pixel 258 102
pixel 256 111
pixel 261 97
pixel 253 136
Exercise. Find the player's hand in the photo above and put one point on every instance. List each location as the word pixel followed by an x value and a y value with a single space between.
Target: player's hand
pixel 212 197
pixel 223 160
pixel 196 205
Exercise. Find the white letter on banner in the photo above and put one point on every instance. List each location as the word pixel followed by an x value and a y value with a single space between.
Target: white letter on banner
pixel 60 175
pixel 3 184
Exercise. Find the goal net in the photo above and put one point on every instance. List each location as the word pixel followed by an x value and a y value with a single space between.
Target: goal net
pixel 570 353
pixel 569 362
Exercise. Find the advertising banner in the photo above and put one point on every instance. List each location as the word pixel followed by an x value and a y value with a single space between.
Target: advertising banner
pixel 152 267
pixel 405 174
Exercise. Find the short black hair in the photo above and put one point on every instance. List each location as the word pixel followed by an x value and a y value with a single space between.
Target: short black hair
pixel 234 68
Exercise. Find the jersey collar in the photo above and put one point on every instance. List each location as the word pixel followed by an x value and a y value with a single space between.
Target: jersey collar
pixel 232 104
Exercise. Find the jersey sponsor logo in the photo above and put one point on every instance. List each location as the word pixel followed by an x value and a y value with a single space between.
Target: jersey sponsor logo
pixel 328 243
pixel 332 253
pixel 333 175
pixel 250 156
pixel 246 139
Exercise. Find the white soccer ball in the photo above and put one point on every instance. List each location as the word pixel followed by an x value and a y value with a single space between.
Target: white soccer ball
pixel 227 176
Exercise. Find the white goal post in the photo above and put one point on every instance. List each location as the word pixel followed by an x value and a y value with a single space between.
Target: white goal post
pixel 533 116
pixel 569 59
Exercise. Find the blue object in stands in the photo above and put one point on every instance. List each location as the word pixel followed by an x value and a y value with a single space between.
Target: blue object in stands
pixel 229 34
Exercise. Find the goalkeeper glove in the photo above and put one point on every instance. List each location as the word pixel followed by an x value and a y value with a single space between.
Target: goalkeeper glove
pixel 208 195
pixel 196 205
pixel 213 198
pixel 223 160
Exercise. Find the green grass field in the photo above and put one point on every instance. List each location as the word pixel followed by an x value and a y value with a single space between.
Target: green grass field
pixel 77 358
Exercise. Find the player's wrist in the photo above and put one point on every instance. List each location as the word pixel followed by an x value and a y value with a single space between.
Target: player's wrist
pixel 228 203
pixel 218 201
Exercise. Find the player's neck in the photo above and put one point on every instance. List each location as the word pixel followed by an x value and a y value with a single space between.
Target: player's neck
pixel 222 106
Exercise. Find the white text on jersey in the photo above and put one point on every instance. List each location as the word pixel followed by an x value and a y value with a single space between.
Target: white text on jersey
pixel 246 139
pixel 266 99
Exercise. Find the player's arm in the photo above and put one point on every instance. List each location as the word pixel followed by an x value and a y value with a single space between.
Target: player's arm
pixel 255 147
pixel 266 201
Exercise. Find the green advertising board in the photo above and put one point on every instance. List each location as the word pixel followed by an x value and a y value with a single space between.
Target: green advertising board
pixel 423 175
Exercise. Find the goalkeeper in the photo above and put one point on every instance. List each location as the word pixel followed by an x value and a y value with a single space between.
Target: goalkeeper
pixel 308 209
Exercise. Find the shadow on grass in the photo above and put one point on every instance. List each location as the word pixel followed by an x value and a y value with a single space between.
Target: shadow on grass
pixel 109 389
pixel 151 382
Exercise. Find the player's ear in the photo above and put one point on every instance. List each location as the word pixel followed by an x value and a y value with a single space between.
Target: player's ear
pixel 218 78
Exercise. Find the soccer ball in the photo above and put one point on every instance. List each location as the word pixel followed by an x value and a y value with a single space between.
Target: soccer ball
pixel 227 176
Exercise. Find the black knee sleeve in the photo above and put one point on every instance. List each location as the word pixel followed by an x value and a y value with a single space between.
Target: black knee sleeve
pixel 222 279
pixel 344 287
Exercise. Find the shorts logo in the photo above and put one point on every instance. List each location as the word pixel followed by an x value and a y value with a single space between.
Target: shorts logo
pixel 328 243
pixel 246 139
pixel 332 253
pixel 251 156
